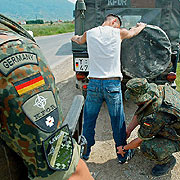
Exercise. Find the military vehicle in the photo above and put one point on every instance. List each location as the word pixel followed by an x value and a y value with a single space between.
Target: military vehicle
pixel 152 54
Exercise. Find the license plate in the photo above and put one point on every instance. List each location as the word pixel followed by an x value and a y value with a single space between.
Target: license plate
pixel 81 64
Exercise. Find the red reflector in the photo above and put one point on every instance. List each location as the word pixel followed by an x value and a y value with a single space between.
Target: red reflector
pixel 84 86
pixel 171 77
pixel 80 76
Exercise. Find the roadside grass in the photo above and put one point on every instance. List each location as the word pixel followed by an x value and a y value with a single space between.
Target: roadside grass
pixel 49 29
pixel 178 77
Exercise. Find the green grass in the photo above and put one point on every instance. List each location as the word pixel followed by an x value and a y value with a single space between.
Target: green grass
pixel 49 29
pixel 178 77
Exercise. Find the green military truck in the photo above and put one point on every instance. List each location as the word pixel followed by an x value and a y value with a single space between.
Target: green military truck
pixel 153 54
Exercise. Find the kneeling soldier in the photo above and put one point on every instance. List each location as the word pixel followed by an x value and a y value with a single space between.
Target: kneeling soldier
pixel 158 115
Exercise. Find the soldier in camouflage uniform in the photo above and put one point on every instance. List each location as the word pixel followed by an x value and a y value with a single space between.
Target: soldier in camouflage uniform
pixel 30 114
pixel 158 115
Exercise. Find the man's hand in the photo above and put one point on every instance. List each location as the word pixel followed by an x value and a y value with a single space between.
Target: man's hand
pixel 143 25
pixel 79 39
pixel 120 151
pixel 132 145
pixel 75 38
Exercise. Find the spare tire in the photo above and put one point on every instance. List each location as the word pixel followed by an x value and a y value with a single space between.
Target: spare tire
pixel 146 55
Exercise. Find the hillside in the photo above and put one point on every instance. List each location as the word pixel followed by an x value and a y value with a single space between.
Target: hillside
pixel 37 9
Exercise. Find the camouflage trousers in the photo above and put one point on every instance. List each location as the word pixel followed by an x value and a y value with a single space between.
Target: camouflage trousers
pixel 160 149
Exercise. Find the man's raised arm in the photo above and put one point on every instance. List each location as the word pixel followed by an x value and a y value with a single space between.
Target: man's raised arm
pixel 127 34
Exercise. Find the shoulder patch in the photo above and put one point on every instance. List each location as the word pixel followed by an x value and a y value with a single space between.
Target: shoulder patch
pixel 12 62
pixel 29 83
pixel 147 124
pixel 42 110
pixel 58 149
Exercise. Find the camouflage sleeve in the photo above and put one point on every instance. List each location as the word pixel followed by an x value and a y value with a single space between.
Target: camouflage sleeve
pixel 150 126
pixel 30 110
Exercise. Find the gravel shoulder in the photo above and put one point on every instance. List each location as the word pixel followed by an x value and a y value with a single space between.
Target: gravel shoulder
pixel 103 161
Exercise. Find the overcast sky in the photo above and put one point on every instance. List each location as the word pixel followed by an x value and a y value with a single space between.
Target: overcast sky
pixel 73 1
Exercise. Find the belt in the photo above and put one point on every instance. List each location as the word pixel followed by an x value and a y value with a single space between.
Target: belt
pixel 112 78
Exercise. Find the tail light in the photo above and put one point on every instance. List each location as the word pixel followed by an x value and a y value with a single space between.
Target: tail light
pixel 171 77
pixel 84 87
pixel 80 76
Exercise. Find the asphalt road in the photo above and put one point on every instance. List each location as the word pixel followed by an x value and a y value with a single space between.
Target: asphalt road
pixel 56 48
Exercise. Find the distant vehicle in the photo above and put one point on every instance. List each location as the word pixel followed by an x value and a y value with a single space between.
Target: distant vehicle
pixel 156 59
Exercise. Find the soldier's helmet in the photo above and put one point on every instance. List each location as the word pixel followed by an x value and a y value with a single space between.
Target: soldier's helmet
pixel 139 90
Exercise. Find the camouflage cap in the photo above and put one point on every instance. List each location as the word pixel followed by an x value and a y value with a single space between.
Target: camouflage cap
pixel 139 90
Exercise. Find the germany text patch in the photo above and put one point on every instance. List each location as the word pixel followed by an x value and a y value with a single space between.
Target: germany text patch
pixel 29 83
pixel 8 64
pixel 42 110
pixel 58 149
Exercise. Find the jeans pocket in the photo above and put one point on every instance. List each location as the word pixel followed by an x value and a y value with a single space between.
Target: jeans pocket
pixel 113 93
pixel 113 89
pixel 92 93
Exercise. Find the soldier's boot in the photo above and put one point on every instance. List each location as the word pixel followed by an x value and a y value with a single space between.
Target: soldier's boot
pixel 162 169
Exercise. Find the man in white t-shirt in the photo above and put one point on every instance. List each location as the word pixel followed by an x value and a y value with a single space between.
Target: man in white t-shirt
pixel 104 46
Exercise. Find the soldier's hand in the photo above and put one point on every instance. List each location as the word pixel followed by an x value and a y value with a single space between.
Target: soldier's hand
pixel 120 151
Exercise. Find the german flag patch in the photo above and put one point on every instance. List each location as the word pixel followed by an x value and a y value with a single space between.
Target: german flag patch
pixel 29 83
pixel 147 124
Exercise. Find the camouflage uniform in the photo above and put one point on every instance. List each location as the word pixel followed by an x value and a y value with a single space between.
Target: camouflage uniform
pixel 158 117
pixel 30 113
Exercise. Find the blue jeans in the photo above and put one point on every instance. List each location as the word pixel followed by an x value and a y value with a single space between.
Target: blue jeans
pixel 110 92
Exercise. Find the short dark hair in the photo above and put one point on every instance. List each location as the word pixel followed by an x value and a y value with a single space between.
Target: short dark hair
pixel 115 16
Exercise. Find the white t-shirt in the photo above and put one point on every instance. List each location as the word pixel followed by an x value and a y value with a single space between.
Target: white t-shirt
pixel 104 45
